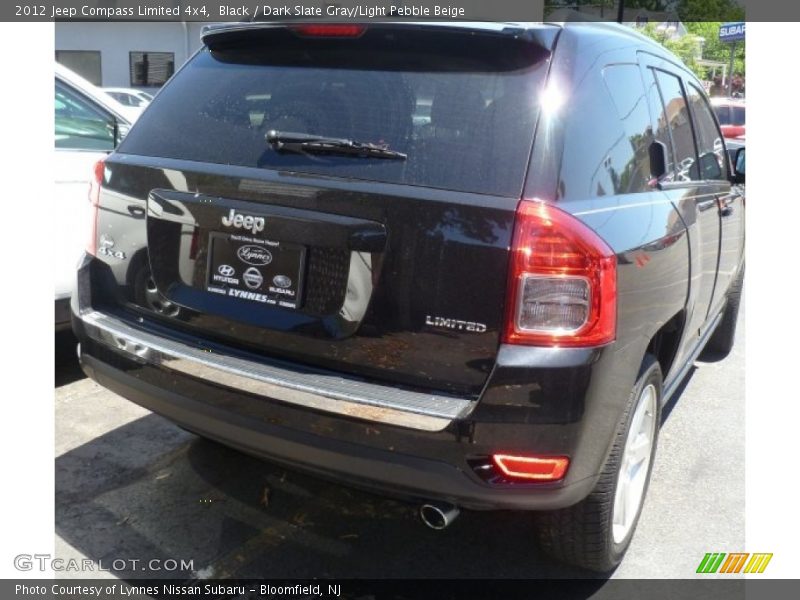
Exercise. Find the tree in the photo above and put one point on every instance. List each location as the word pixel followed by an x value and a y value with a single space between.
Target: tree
pixel 700 11
pixel 687 48
pixel 713 49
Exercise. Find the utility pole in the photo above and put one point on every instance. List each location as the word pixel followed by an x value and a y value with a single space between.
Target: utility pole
pixel 620 11
pixel 730 73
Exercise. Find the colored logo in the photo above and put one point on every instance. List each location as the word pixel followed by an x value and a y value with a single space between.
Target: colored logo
pixel 735 562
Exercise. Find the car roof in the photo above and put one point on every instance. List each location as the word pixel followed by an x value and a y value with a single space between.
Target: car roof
pixel 121 90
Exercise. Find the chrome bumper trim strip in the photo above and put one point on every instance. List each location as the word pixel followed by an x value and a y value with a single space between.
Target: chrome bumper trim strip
pixel 313 389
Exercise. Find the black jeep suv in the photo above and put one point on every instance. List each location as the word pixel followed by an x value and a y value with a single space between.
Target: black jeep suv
pixel 464 264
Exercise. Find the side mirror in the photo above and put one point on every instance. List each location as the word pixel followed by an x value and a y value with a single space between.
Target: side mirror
pixel 738 167
pixel 658 160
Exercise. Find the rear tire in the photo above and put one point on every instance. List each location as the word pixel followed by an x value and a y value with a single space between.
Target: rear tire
pixel 595 533
pixel 721 341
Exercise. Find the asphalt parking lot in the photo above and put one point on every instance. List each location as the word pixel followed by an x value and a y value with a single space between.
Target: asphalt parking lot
pixel 130 485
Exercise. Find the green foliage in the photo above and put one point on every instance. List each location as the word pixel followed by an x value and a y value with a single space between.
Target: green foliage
pixel 699 11
pixel 687 48
pixel 713 49
pixel 612 5
pixel 702 18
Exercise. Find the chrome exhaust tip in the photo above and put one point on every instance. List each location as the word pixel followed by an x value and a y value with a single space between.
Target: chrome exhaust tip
pixel 438 515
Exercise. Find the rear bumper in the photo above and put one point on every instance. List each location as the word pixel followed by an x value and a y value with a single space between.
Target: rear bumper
pixel 413 444
pixel 243 423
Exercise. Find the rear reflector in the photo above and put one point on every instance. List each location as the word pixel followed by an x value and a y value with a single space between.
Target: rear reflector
pixel 94 204
pixel 551 468
pixel 562 288
pixel 337 30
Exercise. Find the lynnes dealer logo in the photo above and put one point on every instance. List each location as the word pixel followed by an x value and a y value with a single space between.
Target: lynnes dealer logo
pixel 254 255
pixel 716 562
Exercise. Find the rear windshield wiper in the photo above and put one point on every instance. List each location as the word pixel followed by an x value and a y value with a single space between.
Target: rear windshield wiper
pixel 306 143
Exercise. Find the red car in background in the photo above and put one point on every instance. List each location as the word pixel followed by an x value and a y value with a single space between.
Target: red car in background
pixel 730 112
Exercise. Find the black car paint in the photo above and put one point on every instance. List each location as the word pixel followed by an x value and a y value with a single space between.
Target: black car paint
pixel 559 401
pixel 434 232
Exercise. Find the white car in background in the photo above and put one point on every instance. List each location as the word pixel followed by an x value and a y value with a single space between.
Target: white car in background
pixel 135 100
pixel 88 126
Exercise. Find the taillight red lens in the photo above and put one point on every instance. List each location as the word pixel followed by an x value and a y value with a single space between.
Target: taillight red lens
pixel 562 287
pixel 333 30
pixel 538 468
pixel 94 205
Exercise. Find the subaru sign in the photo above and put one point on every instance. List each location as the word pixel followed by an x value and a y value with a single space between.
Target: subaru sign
pixel 731 32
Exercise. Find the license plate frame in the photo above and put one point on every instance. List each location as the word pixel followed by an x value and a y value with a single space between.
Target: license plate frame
pixel 243 267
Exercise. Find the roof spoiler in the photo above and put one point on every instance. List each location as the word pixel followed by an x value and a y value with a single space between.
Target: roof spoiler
pixel 543 35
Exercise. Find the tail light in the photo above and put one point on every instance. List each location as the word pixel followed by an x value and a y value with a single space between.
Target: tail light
pixel 545 468
pixel 562 287
pixel 94 205
pixel 330 31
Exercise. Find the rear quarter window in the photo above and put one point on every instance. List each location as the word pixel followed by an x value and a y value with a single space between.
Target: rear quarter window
pixel 624 83
pixel 606 134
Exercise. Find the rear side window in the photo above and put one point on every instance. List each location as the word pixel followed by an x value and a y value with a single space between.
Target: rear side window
pixel 462 108
pixel 79 124
pixel 624 83
pixel 675 112
pixel 606 133
pixel 710 149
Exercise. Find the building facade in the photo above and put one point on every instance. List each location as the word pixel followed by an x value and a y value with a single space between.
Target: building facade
pixel 132 54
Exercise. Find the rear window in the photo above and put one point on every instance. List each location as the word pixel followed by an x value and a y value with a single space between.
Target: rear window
pixel 462 108
pixel 723 114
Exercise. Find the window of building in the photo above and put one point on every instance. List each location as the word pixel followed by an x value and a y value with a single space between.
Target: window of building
pixel 85 63
pixel 151 68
